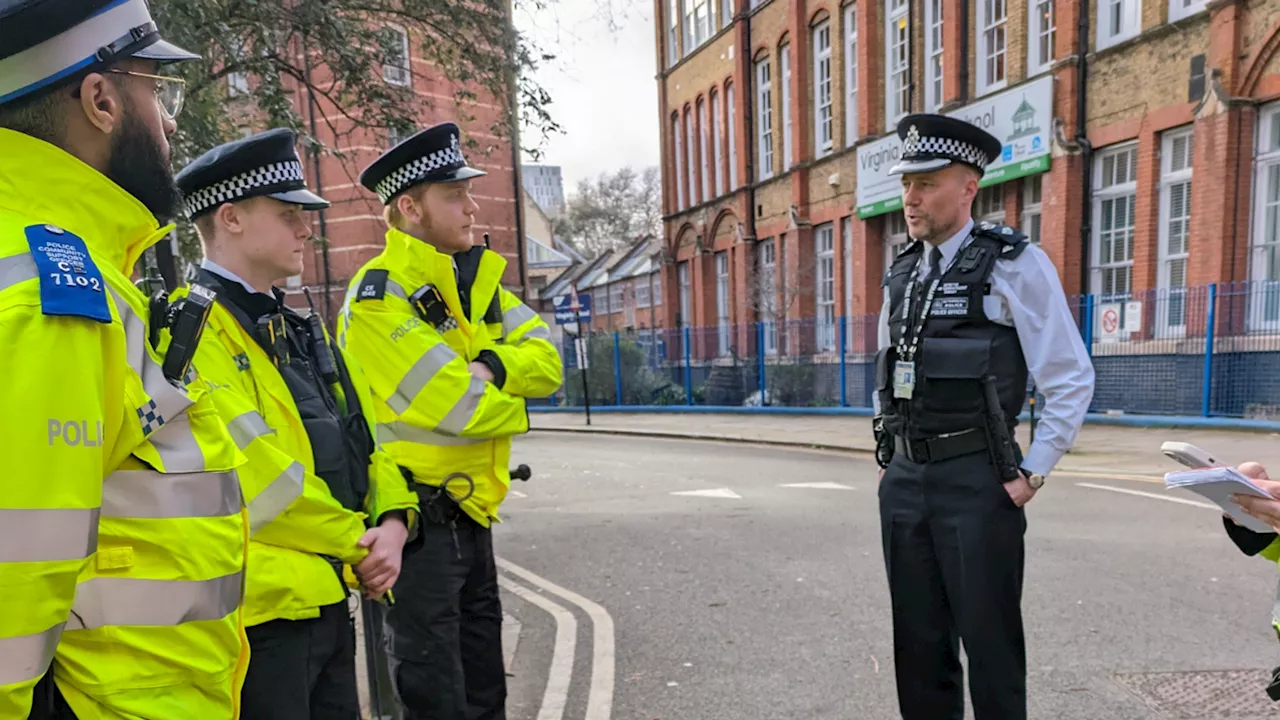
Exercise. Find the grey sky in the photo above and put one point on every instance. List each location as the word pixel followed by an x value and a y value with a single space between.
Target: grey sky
pixel 602 85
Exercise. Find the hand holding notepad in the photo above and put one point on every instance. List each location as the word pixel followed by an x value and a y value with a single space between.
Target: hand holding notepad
pixel 1218 484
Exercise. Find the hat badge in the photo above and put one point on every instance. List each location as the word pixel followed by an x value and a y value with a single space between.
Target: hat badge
pixel 912 143
pixel 453 143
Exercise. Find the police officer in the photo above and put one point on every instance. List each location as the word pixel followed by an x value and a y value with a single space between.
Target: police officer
pixel 121 533
pixel 970 309
pixel 302 414
pixel 451 357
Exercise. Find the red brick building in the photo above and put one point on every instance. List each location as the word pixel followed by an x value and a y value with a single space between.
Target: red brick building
pixel 1144 157
pixel 354 226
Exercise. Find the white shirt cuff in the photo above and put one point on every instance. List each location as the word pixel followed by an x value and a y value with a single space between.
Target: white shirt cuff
pixel 1041 459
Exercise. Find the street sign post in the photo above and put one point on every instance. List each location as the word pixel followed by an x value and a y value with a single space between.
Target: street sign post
pixel 573 314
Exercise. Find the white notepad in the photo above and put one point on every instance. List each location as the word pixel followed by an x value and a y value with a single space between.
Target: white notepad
pixel 1218 485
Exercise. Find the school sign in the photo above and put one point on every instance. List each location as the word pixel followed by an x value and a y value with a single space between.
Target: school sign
pixel 1020 118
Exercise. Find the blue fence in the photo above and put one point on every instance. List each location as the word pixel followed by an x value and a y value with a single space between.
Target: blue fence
pixel 1209 351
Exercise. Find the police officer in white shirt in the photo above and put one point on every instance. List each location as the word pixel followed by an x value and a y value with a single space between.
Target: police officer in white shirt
pixel 970 309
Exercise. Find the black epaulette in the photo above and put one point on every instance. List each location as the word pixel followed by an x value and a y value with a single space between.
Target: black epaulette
pixel 1013 239
pixel 913 246
pixel 373 286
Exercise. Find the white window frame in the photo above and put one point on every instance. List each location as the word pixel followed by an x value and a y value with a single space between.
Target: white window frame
pixel 933 44
pixel 676 134
pixel 641 292
pixel 767 289
pixel 398 75
pixel 717 142
pixel 764 109
pixel 682 283
pixel 1038 36
pixel 1182 9
pixel 784 64
pixel 617 299
pixel 1113 193
pixel 1264 246
pixel 824 287
pixel 851 74
pixel 1169 295
pixel 724 330
pixel 1032 205
pixel 690 161
pixel 726 13
pixel 993 46
pixel 656 290
pixel 895 237
pixel 896 79
pixel 989 204
pixel 733 137
pixel 690 29
pixel 1129 13
pixel 673 32
pixel 704 148
pixel 824 139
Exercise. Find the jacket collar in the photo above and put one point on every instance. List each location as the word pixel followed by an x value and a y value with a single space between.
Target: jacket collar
pixel 49 185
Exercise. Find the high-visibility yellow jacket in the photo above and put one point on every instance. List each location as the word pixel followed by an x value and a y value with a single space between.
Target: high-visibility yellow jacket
pixel 433 415
pixel 122 528
pixel 293 515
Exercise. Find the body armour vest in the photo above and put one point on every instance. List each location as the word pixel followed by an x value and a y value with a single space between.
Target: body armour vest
pixel 958 347
pixel 341 442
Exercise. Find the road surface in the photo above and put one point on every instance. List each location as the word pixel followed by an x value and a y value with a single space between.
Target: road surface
pixel 676 580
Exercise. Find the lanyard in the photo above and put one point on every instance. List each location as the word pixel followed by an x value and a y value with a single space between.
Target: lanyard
pixel 905 352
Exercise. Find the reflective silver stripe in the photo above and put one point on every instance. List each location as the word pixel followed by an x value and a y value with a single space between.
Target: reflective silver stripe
pixel 460 416
pixel 149 494
pixel 173 440
pixel 277 496
pixel 106 601
pixel 394 288
pixel 47 535
pixel 404 432
pixel 27 657
pixel 539 332
pixel 513 318
pixel 247 427
pixel 431 362
pixel 1275 610
pixel 15 269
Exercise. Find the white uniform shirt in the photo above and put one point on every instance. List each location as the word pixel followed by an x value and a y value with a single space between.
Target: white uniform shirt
pixel 217 269
pixel 1027 296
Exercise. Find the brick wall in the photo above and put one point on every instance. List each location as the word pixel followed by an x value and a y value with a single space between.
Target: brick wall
pixel 1137 91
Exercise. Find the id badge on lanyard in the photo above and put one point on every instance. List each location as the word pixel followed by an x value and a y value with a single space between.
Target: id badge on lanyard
pixel 904 369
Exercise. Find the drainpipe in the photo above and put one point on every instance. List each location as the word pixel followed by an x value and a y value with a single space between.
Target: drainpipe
pixel 516 172
pixel 319 181
pixel 748 115
pixel 964 51
pixel 1086 150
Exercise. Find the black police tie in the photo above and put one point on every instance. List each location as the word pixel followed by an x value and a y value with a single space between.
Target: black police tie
pixel 935 266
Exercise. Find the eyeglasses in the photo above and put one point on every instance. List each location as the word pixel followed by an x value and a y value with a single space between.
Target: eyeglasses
pixel 170 91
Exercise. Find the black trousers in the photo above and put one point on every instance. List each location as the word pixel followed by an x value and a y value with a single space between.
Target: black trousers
pixel 444 633
pixel 953 550
pixel 303 669
pixel 47 702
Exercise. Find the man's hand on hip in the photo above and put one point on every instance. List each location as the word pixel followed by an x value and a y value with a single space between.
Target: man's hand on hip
pixel 1020 490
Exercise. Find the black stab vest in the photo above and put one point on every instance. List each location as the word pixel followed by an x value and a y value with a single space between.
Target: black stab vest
pixel 341 444
pixel 958 345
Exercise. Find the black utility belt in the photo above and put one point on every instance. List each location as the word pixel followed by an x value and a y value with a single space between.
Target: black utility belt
pixel 941 447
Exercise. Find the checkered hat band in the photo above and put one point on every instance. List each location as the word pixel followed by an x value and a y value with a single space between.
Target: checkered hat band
pixel 951 148
pixel 235 188
pixel 407 175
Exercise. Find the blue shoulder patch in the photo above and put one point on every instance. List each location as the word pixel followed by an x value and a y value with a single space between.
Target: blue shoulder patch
pixel 70 283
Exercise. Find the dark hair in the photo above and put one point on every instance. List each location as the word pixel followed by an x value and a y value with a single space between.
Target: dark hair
pixel 37 115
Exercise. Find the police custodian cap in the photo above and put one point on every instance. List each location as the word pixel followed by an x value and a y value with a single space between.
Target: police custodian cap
pixel 45 41
pixel 931 142
pixel 265 164
pixel 431 156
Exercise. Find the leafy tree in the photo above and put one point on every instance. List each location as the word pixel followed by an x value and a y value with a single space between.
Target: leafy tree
pixel 613 210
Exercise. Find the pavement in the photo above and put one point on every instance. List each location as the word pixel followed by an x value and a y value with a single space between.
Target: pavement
pixel 1100 450
pixel 666 579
